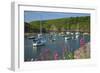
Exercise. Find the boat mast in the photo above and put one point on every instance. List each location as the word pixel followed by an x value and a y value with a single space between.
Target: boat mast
pixel 40 25
pixel 77 27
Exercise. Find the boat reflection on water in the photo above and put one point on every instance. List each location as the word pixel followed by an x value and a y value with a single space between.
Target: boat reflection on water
pixel 36 53
pixel 43 48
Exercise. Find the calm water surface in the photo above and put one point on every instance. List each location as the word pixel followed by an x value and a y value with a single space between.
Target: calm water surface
pixel 34 53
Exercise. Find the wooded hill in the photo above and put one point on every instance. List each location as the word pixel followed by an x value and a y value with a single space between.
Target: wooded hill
pixel 59 25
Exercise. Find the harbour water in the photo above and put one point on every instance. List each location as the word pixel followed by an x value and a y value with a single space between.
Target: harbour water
pixel 51 48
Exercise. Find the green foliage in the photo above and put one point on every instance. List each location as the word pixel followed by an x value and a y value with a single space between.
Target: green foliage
pixel 72 23
pixel 69 55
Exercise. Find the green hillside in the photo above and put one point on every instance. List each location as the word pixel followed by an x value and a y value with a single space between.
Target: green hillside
pixel 59 25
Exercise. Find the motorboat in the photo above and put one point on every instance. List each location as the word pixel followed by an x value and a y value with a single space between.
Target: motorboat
pixel 31 37
pixel 77 35
pixel 66 38
pixel 71 33
pixel 85 33
pixel 67 33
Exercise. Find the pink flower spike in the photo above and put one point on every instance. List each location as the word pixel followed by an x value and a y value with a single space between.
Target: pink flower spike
pixel 82 42
pixel 56 55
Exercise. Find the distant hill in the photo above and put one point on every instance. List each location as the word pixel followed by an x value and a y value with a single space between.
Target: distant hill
pixel 72 23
